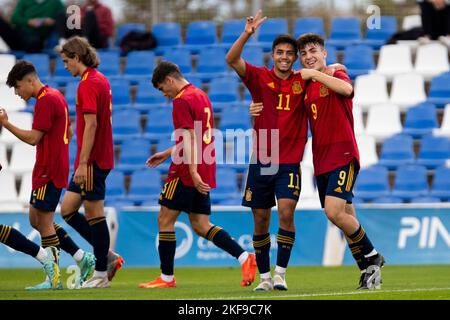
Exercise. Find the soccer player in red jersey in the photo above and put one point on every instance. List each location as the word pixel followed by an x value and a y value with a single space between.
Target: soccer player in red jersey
pixel 281 131
pixel 94 158
pixel 50 135
pixel 328 104
pixel 191 176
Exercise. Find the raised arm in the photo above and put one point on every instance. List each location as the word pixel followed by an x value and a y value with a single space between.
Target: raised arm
pixel 234 58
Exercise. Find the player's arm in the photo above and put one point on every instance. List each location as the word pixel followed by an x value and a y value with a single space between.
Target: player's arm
pixel 31 137
pixel 234 55
pixel 90 128
pixel 337 85
pixel 190 148
pixel 159 157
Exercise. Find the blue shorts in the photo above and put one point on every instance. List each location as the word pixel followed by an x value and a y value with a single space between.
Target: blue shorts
pixel 176 196
pixel 95 188
pixel 45 198
pixel 338 183
pixel 261 190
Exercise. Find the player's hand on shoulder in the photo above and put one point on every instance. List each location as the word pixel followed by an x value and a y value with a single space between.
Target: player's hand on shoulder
pixel 308 74
pixel 254 22
pixel 332 68
pixel 256 109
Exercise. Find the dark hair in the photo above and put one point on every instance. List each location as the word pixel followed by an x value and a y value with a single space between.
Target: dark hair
pixel 21 69
pixel 307 38
pixel 78 46
pixel 164 69
pixel 284 38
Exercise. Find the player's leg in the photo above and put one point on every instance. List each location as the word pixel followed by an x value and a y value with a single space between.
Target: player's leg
pixel 172 201
pixel 259 195
pixel 287 191
pixel 166 249
pixel 338 208
pixel 16 240
pixel 199 219
pixel 43 203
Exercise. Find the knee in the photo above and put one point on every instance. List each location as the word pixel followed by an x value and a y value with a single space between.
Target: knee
pixel 286 218
pixel 261 225
pixel 165 222
pixel 334 215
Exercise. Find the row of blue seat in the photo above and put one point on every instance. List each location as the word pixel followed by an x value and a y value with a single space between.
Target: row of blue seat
pixel 410 182
pixel 344 31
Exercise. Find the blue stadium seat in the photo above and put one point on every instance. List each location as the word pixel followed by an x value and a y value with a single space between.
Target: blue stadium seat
pixel 211 63
pixel 359 60
pixel 61 75
pixel 72 150
pixel 231 201
pixel 148 98
pixel 345 31
pixel 123 29
pixel 159 124
pixel 200 34
pixel 133 155
pixel 144 185
pixel 223 93
pixel 420 120
pixel 376 37
pixel 71 96
pixel 372 182
pixel 434 151
pixel 140 65
pixel 231 30
pixel 180 56
pixel 388 200
pixel 331 54
pixel 253 55
pixel 195 80
pixel 235 118
pixel 441 184
pixel 126 125
pixel 226 187
pixel 168 35
pixel 309 25
pixel 41 61
pixel 268 31
pixel 109 63
pixel 120 96
pixel 236 152
pixel 425 200
pixel 410 182
pixel 115 189
pixel 439 93
pixel 396 151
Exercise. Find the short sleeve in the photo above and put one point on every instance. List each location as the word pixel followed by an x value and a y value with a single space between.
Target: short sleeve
pixel 341 74
pixel 42 119
pixel 87 98
pixel 182 115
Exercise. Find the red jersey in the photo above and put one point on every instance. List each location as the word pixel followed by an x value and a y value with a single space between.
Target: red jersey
pixel 331 121
pixel 282 111
pixel 94 96
pixel 51 116
pixel 189 106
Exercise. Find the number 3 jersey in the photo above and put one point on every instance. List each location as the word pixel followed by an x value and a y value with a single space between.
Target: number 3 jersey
pixel 52 152
pixel 192 110
pixel 282 111
pixel 331 121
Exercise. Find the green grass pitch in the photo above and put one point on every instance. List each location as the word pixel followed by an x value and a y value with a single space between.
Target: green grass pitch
pixel 323 283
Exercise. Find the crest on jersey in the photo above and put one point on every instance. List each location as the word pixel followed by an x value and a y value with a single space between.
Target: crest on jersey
pixel 297 87
pixel 271 85
pixel 323 91
pixel 248 195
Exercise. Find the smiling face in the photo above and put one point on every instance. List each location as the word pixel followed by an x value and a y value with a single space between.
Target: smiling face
pixel 313 56
pixel 284 56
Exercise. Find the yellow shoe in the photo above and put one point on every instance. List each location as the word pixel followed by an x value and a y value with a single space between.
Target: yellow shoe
pixel 158 283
